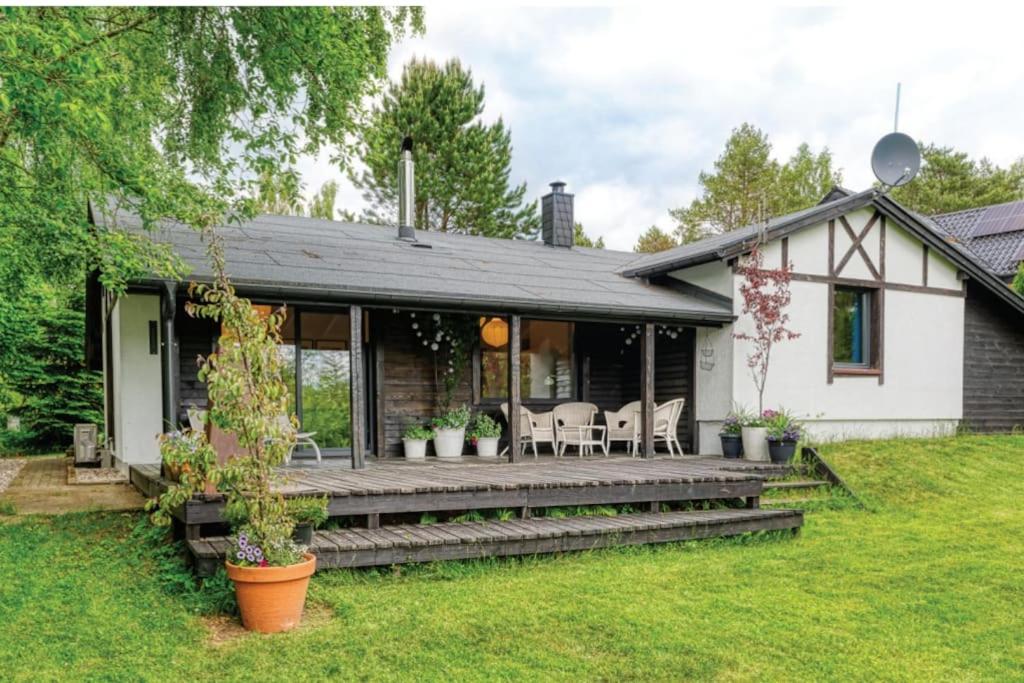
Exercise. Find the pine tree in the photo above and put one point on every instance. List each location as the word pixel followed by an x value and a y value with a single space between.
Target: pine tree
pixel 654 240
pixel 747 185
pixel 462 164
pixel 322 204
pixel 951 181
pixel 582 239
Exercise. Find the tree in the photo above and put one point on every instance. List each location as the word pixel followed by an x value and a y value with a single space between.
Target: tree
pixel 322 205
pixel 951 181
pixel 748 186
pixel 462 164
pixel 1018 279
pixel 582 239
pixel 766 296
pixel 174 112
pixel 654 240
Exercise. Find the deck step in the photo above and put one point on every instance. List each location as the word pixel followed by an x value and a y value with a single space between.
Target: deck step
pixel 795 484
pixel 468 540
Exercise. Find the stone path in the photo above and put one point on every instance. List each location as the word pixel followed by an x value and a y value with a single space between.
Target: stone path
pixel 42 488
pixel 9 468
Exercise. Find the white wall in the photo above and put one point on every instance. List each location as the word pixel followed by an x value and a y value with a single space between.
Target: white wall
pixel 922 392
pixel 138 406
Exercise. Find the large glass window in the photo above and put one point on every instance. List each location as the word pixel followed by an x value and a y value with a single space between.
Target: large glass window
pixel 851 327
pixel 546 360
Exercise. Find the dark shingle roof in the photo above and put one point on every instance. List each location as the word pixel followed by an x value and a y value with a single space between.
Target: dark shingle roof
pixel 329 260
pixel 720 246
pixel 988 234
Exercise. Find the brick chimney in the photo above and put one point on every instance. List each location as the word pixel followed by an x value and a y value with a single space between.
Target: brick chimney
pixel 556 217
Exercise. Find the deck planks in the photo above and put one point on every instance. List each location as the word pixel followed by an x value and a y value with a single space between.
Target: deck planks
pixel 452 541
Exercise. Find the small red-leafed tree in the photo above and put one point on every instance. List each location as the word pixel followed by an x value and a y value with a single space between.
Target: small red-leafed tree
pixel 766 296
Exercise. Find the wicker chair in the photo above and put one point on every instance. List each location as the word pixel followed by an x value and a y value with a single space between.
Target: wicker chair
pixel 534 428
pixel 666 424
pixel 622 426
pixel 573 426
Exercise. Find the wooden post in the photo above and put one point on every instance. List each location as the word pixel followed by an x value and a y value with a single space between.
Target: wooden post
pixel 647 391
pixel 515 399
pixel 357 382
pixel 169 357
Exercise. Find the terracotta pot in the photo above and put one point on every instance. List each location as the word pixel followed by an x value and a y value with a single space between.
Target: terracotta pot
pixel 271 598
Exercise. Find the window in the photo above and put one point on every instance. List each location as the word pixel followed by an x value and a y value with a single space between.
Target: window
pixel 546 360
pixel 854 337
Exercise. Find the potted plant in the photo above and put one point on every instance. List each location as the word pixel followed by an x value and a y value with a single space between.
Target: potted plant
pixel 731 435
pixel 248 396
pixel 414 440
pixel 754 433
pixel 783 434
pixel 484 434
pixel 309 512
pixel 186 453
pixel 450 432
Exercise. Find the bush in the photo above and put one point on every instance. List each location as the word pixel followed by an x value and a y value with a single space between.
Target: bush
pixel 418 433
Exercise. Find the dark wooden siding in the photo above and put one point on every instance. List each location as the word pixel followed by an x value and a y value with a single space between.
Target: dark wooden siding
pixel 993 363
pixel 195 338
pixel 406 380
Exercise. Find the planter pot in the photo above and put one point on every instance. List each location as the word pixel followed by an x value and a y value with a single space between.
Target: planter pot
pixel 732 445
pixel 487 447
pixel 755 443
pixel 271 598
pixel 415 449
pixel 448 442
pixel 781 451
pixel 303 534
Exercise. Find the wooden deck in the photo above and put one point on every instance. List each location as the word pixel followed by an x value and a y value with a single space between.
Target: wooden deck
pixel 471 540
pixel 397 491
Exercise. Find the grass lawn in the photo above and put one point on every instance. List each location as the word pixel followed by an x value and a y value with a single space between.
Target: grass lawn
pixel 927 584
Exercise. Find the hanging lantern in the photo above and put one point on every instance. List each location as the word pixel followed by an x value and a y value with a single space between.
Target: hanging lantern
pixel 495 332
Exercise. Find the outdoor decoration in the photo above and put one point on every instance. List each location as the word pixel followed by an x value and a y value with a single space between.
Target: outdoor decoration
pixel 633 333
pixel 707 352
pixel 783 434
pixel 248 398
pixel 731 434
pixel 414 441
pixel 484 434
pixel 450 339
pixel 494 332
pixel 766 296
pixel 450 432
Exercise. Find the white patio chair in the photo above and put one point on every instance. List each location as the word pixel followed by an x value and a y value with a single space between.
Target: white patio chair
pixel 574 423
pixel 301 439
pixel 622 426
pixel 534 428
pixel 666 424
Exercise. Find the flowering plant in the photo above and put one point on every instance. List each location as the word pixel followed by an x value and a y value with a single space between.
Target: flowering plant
pixel 484 427
pixel 732 425
pixel 456 418
pixel 781 426
pixel 191 461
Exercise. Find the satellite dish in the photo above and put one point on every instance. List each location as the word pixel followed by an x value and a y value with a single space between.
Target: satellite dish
pixel 895 159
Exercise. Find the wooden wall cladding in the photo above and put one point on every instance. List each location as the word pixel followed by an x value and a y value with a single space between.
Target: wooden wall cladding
pixel 993 363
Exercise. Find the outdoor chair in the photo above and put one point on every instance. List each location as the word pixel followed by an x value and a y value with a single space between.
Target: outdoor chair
pixel 574 426
pixel 622 426
pixel 301 439
pixel 534 428
pixel 666 424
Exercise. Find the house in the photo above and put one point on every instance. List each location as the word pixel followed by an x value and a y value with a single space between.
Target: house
pixel 904 331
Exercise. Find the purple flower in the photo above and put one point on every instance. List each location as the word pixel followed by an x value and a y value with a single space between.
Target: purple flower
pixel 243 540
pixel 257 553
pixel 240 555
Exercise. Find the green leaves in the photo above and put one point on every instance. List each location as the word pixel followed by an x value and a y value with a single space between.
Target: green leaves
pixel 748 186
pixel 462 164
pixel 951 181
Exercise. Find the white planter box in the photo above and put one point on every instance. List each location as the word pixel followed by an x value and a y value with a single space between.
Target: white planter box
pixel 448 442
pixel 415 449
pixel 487 447
pixel 755 443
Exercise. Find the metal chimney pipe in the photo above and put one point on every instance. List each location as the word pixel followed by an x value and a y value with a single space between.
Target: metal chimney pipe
pixel 406 193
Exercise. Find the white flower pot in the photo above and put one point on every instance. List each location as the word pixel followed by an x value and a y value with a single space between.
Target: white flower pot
pixel 487 447
pixel 415 449
pixel 448 442
pixel 755 443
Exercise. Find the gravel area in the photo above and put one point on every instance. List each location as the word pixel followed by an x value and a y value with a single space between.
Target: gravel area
pixel 9 469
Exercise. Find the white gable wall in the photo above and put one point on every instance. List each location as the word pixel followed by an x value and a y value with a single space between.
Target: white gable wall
pixel 921 392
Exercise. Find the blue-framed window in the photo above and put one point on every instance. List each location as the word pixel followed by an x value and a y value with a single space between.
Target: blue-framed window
pixel 852 327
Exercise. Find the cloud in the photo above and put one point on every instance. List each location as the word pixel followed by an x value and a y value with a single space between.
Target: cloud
pixel 629 104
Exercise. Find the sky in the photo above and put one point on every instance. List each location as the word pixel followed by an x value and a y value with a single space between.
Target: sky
pixel 628 105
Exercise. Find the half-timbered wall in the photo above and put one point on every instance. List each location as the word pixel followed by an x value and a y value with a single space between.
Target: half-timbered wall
pixel 916 385
pixel 993 364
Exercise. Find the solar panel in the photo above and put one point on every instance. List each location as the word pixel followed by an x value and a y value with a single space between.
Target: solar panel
pixel 1000 219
